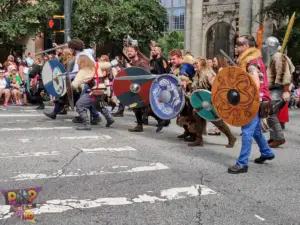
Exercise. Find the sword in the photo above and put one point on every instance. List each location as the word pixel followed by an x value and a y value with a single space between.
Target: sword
pixel 288 32
pixel 228 58
pixel 138 77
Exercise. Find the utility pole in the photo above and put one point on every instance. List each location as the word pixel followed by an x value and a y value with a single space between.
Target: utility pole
pixel 67 13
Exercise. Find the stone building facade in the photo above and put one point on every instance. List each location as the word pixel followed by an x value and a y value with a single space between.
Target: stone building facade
pixel 211 25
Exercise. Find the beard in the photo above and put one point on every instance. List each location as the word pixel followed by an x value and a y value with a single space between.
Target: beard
pixel 154 56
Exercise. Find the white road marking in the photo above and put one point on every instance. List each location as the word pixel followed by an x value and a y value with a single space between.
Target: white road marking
pixel 35 128
pixel 260 218
pixel 23 155
pixel 126 148
pixel 21 115
pixel 56 153
pixel 99 137
pixel 28 110
pixel 60 206
pixel 59 174
pixel 87 137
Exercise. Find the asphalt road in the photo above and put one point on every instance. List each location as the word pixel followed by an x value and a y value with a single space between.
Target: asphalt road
pixel 112 177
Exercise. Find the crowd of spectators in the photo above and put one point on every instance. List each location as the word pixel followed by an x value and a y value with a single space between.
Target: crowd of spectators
pixel 16 86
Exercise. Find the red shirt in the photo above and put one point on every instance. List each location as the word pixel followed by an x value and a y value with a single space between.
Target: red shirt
pixel 264 85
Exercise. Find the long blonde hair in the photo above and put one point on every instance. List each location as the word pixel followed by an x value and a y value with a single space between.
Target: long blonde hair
pixel 85 63
pixel 67 56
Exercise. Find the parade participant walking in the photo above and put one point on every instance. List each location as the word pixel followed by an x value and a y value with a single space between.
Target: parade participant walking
pixel 158 65
pixel 280 70
pixel 139 60
pixel 250 60
pixel 76 47
pixel 203 80
pixel 86 76
pixel 184 73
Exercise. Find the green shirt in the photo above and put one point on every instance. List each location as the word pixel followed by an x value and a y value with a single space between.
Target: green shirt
pixel 18 78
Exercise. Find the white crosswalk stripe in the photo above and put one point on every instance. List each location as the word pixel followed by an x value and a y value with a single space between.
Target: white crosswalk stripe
pixel 8 155
pixel 60 174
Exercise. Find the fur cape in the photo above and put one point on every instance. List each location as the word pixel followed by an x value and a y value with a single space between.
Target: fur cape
pixel 280 70
pixel 201 80
pixel 247 56
pixel 184 120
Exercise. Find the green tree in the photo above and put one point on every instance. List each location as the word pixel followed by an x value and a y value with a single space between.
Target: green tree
pixel 280 10
pixel 99 21
pixel 175 39
pixel 19 18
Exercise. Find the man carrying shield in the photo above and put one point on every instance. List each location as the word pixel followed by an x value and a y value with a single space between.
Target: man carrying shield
pixel 139 60
pixel 280 70
pixel 250 60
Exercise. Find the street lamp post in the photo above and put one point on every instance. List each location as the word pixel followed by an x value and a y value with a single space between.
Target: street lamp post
pixel 67 13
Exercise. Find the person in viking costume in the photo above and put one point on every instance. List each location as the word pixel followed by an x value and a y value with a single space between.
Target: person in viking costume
pixel 280 70
pixel 138 59
pixel 77 48
pixel 89 80
pixel 183 68
pixel 203 80
pixel 250 60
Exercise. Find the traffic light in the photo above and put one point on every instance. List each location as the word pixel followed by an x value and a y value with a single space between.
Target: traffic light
pixel 56 23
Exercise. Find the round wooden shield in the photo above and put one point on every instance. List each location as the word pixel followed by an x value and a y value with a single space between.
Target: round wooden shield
pixel 201 102
pixel 53 75
pixel 133 92
pixel 235 96
pixel 167 97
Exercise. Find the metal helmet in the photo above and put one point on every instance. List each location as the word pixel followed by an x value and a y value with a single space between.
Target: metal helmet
pixel 270 46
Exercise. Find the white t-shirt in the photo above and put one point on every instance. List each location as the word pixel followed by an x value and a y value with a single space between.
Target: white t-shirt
pixel 3 83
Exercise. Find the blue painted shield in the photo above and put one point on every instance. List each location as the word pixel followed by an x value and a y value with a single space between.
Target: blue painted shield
pixel 167 97
pixel 54 78
pixel 201 102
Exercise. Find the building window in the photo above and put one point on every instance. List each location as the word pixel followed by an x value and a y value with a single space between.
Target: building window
pixel 166 3
pixel 178 19
pixel 178 3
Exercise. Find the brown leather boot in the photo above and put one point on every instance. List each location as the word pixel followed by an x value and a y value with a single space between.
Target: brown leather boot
pixel 224 128
pixel 138 128
pixel 197 142
pixel 276 143
pixel 185 134
pixel 191 138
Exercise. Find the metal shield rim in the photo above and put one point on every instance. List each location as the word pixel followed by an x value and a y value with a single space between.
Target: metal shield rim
pixel 207 91
pixel 256 101
pixel 151 103
pixel 48 83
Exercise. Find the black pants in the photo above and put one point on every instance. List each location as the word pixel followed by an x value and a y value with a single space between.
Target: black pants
pixel 140 112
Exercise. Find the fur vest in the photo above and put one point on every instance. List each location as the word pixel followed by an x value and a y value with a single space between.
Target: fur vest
pixel 280 70
pixel 202 79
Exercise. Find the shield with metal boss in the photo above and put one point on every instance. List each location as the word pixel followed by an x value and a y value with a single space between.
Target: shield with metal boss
pixel 235 96
pixel 167 96
pixel 201 102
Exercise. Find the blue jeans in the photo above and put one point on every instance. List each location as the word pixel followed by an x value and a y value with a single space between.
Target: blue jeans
pixel 93 110
pixel 250 131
